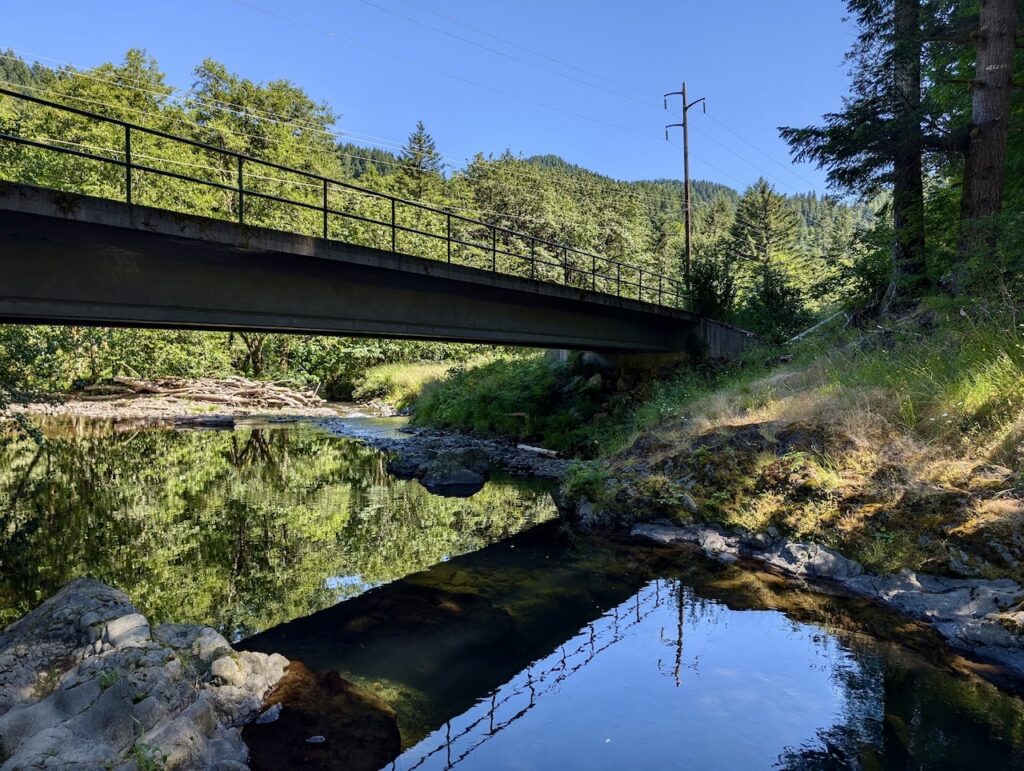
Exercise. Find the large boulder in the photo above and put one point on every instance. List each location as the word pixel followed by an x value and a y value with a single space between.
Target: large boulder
pixel 456 473
pixel 86 682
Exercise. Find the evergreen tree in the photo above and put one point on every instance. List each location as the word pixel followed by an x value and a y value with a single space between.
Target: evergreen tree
pixel 419 169
pixel 877 139
pixel 763 245
pixel 765 229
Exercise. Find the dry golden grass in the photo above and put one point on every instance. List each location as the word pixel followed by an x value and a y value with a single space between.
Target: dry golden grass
pixel 917 467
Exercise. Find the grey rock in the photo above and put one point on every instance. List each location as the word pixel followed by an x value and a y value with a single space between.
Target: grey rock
pixel 227 671
pixel 445 476
pixel 585 508
pixel 810 560
pixel 63 704
pixel 269 715
pixel 130 629
pixel 474 458
pixel 690 503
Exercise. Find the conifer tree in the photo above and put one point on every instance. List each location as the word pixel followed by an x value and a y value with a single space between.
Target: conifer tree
pixel 766 227
pixel 877 139
pixel 420 164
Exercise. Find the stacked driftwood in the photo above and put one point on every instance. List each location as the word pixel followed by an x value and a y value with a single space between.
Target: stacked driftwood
pixel 235 391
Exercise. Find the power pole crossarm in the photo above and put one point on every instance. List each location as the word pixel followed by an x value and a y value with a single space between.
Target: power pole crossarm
pixel 686 171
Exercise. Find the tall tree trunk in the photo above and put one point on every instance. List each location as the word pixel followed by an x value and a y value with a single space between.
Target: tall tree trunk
pixel 908 185
pixel 984 169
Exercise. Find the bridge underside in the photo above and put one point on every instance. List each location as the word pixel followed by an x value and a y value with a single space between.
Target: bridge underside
pixel 80 260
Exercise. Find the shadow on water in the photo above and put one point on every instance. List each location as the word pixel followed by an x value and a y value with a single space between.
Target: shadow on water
pixel 556 650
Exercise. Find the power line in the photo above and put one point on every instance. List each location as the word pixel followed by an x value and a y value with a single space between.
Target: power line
pixel 498 52
pixel 607 90
pixel 523 171
pixel 437 71
pixel 783 166
pixel 310 127
pixel 508 42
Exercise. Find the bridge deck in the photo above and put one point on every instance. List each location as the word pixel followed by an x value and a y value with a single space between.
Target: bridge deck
pixel 75 259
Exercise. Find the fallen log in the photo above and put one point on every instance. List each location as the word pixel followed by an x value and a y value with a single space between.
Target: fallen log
pixel 538 450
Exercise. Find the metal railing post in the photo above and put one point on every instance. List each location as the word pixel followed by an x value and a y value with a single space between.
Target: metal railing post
pixel 449 236
pixel 565 264
pixel 593 273
pixel 494 249
pixel 618 279
pixel 241 193
pixel 128 164
pixel 325 210
pixel 640 287
pixel 660 301
pixel 533 258
pixel 394 228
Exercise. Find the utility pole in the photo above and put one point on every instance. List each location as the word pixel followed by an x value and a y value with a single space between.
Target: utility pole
pixel 686 170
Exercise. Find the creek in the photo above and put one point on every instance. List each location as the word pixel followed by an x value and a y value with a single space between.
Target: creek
pixel 500 637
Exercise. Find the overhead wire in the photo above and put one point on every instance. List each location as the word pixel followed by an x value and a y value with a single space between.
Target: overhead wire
pixel 498 52
pixel 503 92
pixel 275 118
pixel 278 119
pixel 523 172
pixel 512 43
pixel 646 102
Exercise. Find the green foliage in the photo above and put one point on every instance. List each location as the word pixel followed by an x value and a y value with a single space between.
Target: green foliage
pixel 584 478
pixel 637 223
pixel 512 397
pixel 399 384
pixel 773 307
pixel 545 401
pixel 108 677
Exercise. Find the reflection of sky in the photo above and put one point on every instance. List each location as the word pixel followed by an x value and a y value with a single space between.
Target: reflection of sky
pixel 348 583
pixel 369 426
pixel 751 684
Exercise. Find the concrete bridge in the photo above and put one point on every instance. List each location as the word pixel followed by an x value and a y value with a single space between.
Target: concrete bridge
pixel 74 259
pixel 70 259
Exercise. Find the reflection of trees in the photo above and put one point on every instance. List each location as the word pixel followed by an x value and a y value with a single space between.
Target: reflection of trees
pixel 237 529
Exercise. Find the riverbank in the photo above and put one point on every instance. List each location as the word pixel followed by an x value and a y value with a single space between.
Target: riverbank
pixel 179 401
pixel 449 462
pixel 87 682
pixel 898 445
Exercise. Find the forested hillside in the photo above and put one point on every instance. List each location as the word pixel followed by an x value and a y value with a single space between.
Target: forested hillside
pixel 813 244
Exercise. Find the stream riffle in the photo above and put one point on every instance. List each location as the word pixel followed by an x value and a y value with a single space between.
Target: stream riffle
pixel 496 636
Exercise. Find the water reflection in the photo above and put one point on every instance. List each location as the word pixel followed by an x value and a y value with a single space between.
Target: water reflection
pixel 556 650
pixel 237 529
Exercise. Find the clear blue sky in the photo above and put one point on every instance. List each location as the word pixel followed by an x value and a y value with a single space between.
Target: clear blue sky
pixel 760 64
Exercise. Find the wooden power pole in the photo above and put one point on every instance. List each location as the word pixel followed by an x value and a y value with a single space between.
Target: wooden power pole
pixel 687 198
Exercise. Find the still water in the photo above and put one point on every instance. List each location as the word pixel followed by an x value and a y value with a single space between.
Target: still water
pixel 496 639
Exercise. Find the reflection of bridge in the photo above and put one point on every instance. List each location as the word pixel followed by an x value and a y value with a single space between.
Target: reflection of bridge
pixel 280 249
pixel 505 705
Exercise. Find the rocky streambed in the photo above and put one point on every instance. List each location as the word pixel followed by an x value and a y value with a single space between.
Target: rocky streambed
pixel 86 682
pixel 448 463
pixel 983 619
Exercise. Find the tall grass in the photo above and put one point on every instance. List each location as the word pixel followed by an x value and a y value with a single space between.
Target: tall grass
pixel 399 384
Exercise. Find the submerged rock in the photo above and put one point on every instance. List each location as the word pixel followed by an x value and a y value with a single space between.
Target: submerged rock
pixel 447 475
pixel 323 721
pixel 86 682
pixel 983 618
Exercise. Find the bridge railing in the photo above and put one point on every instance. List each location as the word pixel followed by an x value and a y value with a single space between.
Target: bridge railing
pixel 201 178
